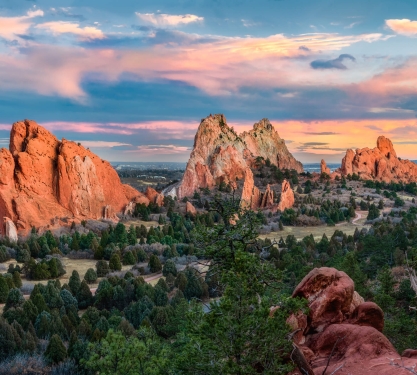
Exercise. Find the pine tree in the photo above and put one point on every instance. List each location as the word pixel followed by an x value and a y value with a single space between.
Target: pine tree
pixel 17 281
pixel 84 296
pixel 90 276
pixel 114 263
pixel 55 351
pixel 74 282
pixel 74 244
pixel 131 235
pixel 4 289
pixel 154 263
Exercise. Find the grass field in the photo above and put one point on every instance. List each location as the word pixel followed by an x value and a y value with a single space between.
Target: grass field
pixel 317 232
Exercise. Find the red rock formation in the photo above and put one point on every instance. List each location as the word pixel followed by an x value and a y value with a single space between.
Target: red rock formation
pixel 380 163
pixel 190 209
pixel 267 198
pixel 287 196
pixel 324 168
pixel 263 140
pixel 154 196
pixel 219 154
pixel 44 180
pixel 250 195
pixel 252 198
pixel 341 330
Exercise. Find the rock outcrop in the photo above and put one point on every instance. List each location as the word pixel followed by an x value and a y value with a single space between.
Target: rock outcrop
pixel 287 196
pixel 44 181
pixel 251 195
pixel 254 199
pixel 324 168
pixel 154 196
pixel 10 230
pixel 190 209
pixel 219 154
pixel 380 163
pixel 341 331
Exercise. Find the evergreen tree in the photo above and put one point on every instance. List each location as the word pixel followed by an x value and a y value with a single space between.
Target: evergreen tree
pixel 55 351
pixel 131 236
pixel 154 264
pixel 74 282
pixel 90 276
pixel 169 268
pixel 17 281
pixel 102 268
pixel 84 296
pixel 4 289
pixel 114 263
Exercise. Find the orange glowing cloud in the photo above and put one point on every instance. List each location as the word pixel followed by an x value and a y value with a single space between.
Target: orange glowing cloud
pixel 404 26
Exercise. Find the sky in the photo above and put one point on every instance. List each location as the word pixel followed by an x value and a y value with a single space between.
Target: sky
pixel 132 80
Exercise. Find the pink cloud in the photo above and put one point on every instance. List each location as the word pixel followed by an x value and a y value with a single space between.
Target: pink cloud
pixel 219 67
pixel 11 26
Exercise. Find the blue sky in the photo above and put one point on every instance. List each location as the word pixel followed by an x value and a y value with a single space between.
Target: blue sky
pixel 131 80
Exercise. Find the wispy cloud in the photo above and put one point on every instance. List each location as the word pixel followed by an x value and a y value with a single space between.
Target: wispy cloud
pixel 332 64
pixel 102 144
pixel 11 27
pixel 64 27
pixel 404 26
pixel 168 20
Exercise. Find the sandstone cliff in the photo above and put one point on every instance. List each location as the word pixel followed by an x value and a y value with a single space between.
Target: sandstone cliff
pixel 44 181
pixel 219 154
pixel 380 163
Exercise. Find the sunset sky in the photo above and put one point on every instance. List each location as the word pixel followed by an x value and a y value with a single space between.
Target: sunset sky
pixel 132 79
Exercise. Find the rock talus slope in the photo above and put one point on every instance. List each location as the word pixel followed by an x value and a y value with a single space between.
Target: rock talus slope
pixel 220 154
pixel 342 331
pixel 380 163
pixel 44 181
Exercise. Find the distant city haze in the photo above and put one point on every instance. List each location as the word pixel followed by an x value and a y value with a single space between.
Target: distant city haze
pixel 132 81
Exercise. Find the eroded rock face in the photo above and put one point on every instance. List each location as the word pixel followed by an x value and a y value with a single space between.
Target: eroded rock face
pixel 219 154
pixel 44 181
pixel 324 168
pixel 380 163
pixel 342 327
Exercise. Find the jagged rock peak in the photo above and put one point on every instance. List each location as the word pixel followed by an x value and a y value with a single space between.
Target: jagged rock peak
pixel 220 154
pixel 380 163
